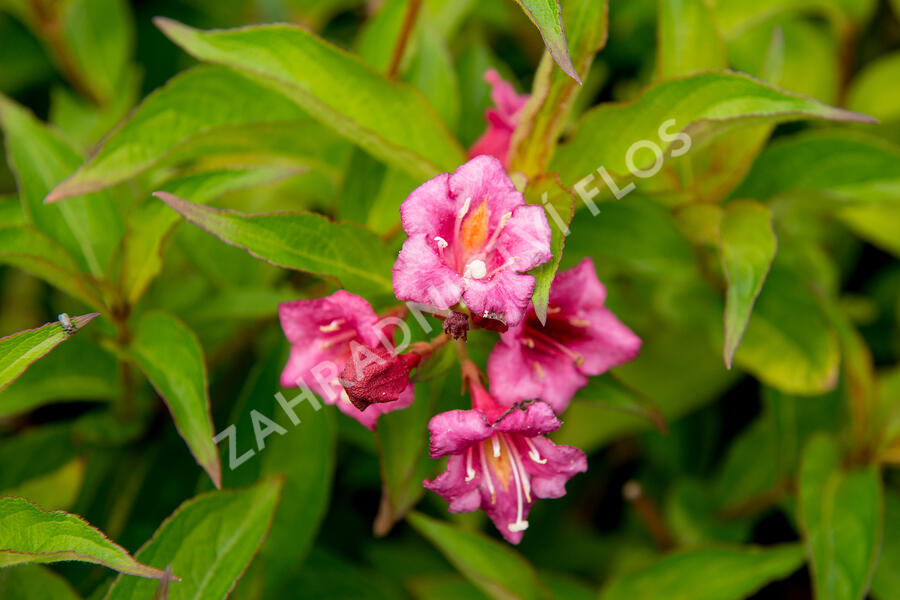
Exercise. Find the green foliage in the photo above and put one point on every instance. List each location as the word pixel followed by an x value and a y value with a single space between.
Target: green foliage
pixel 741 212
pixel 209 540
pixel 29 535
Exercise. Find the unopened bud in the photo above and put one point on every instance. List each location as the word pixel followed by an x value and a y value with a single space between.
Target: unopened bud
pixel 377 381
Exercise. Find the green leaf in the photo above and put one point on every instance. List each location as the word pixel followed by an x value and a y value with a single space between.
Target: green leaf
pixel 872 89
pixel 886 582
pixel 89 227
pixel 497 569
pixel 555 97
pixel 57 490
pixel 209 540
pixel 841 165
pixel 171 357
pixel 735 16
pixel 877 223
pixel 390 120
pixel 28 534
pixel 554 93
pixel 688 39
pixel 150 223
pixel 547 17
pixel 747 247
pixel 307 481
pixel 26 248
pixel 559 205
pixel 20 350
pixel 34 582
pixel 708 574
pixel 762 460
pixel 78 370
pixel 711 100
pixel 303 241
pixel 201 113
pixel 841 516
pixel 788 343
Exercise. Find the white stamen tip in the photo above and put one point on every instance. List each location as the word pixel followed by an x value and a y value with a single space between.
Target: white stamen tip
pixel 465 208
pixel 533 455
pixel 333 326
pixel 518 526
pixel 470 474
pixel 496 444
pixel 441 242
pixel 476 269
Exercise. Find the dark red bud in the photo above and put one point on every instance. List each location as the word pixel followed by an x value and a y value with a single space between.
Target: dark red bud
pixel 375 375
pixel 457 326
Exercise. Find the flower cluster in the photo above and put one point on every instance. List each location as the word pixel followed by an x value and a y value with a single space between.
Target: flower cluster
pixel 471 240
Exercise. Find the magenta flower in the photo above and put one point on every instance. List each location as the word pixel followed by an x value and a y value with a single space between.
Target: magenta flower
pixel 502 119
pixel 471 237
pixel 324 334
pixel 582 337
pixel 500 460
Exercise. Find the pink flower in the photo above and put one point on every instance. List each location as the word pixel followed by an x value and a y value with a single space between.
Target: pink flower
pixel 502 119
pixel 325 334
pixel 500 460
pixel 471 237
pixel 582 337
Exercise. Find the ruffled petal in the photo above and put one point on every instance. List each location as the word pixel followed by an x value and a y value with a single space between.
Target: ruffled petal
pixel 505 296
pixel 511 374
pixel 548 479
pixel 484 179
pixel 429 210
pixel 608 343
pixel 463 496
pixel 421 276
pixel 578 289
pixel 529 419
pixel 526 238
pixel 454 431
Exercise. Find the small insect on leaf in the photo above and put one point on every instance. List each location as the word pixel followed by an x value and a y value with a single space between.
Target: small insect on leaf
pixel 67 324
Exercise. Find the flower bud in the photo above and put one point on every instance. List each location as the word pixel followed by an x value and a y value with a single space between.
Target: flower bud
pixel 375 375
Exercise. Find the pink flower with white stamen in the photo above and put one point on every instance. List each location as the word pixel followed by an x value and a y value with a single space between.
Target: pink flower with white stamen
pixel 581 338
pixel 471 238
pixel 500 460
pixel 324 334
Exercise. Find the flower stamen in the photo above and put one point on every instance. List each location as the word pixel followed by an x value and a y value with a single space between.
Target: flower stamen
pixel 533 453
pixel 470 472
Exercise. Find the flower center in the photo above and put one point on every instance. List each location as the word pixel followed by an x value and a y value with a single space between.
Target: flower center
pixel 502 460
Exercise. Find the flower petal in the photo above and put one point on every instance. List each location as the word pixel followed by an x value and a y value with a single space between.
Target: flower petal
pixel 526 237
pixel 609 343
pixel 429 210
pixel 454 431
pixel 511 374
pixel 463 496
pixel 529 419
pixel 484 179
pixel 421 276
pixel 505 296
pixel 578 289
pixel 548 480
pixel 505 97
pixel 302 320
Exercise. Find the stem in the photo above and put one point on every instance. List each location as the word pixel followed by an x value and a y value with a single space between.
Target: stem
pixel 649 515
pixel 409 22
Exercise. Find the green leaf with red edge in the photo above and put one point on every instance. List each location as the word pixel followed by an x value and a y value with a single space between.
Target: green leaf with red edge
pixel 30 535
pixel 388 119
pixel 171 357
pixel 209 540
pixel 553 92
pixel 20 350
pixel 547 17
pixel 747 246
pixel 559 206
pixel 303 241
pixel 706 103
